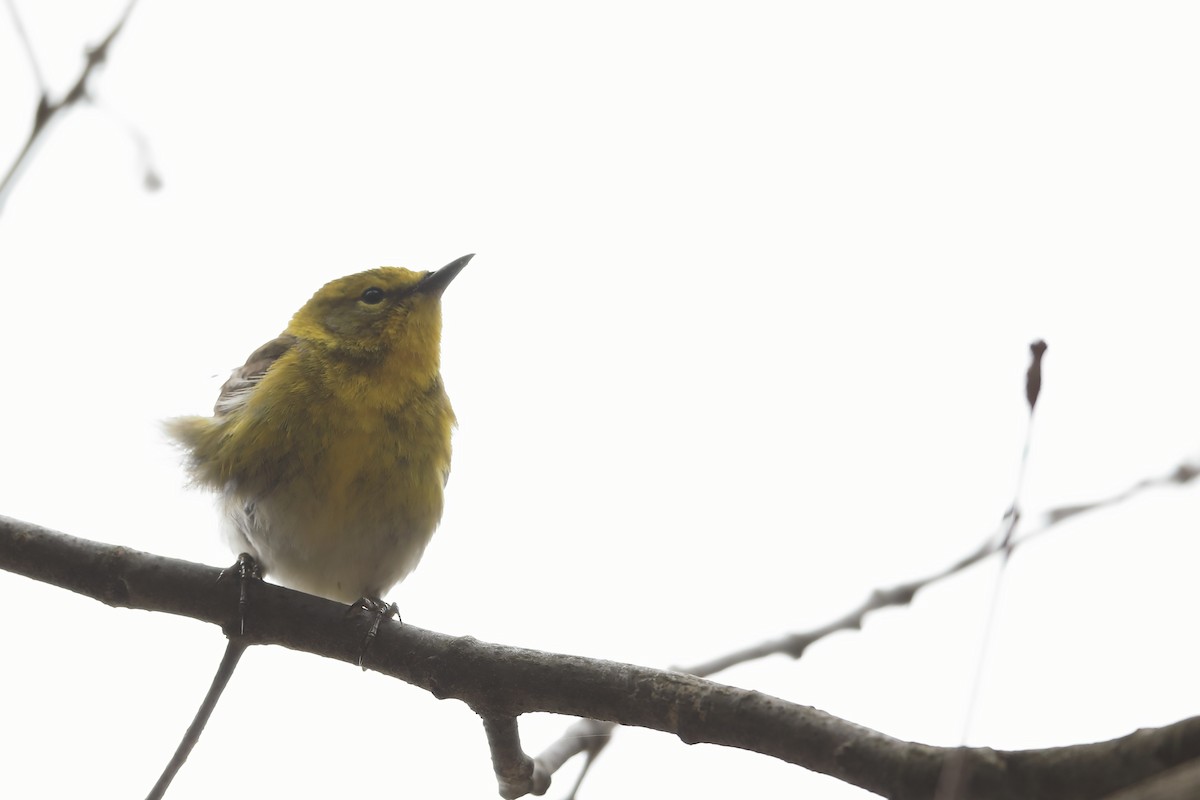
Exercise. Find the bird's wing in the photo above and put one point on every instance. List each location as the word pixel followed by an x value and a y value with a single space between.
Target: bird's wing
pixel 236 390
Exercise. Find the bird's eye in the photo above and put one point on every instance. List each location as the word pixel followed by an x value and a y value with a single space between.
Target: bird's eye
pixel 372 296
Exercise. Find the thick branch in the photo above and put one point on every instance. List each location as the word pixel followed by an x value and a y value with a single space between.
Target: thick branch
pixel 1178 783
pixel 499 681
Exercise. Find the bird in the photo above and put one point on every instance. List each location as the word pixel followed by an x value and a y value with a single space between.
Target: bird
pixel 329 449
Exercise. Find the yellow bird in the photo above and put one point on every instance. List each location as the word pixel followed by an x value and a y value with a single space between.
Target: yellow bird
pixel 330 447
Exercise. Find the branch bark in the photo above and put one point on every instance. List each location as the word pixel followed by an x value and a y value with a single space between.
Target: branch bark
pixel 500 682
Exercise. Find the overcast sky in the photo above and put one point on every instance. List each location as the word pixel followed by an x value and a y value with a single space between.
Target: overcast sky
pixel 745 338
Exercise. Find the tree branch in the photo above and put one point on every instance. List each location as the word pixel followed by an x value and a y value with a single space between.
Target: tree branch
pixel 1178 783
pixel 19 27
pixel 516 773
pixel 499 682
pixel 46 111
pixel 794 644
pixel 589 736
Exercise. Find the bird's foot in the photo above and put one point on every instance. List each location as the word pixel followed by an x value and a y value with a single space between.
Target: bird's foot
pixel 379 611
pixel 245 569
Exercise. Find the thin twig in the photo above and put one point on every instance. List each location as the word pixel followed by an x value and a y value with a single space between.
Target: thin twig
pixel 151 179
pixel 795 644
pixel 47 110
pixel 587 736
pixel 24 37
pixel 229 662
pixel 953 778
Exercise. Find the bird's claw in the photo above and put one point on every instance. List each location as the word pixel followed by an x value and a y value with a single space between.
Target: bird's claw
pixel 244 569
pixel 379 611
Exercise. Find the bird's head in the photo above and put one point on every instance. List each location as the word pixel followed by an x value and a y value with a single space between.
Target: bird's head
pixel 377 312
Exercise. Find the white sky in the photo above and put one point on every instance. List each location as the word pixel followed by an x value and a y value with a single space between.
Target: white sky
pixel 744 339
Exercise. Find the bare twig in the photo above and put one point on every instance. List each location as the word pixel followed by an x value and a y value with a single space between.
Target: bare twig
pixel 795 644
pixel 953 778
pixel 498 681
pixel 24 37
pixel 588 736
pixel 151 180
pixel 46 110
pixel 233 654
pixel 1186 472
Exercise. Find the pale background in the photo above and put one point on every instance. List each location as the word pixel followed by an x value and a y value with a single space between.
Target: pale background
pixel 745 339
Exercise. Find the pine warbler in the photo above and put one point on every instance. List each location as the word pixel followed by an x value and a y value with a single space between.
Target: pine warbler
pixel 330 447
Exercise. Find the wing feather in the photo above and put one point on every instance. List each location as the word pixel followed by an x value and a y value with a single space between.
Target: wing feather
pixel 236 390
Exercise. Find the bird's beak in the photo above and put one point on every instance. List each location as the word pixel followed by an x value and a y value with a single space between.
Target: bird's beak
pixel 436 282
